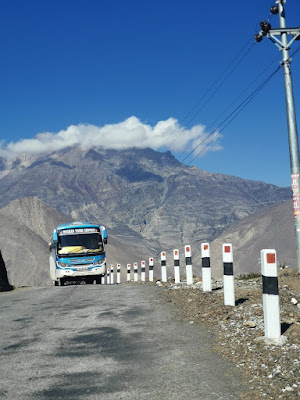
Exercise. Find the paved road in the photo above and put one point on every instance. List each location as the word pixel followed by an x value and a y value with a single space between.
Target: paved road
pixel 105 342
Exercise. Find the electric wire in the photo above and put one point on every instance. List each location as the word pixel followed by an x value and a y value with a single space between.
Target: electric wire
pixel 225 122
pixel 238 97
pixel 210 89
pixel 223 125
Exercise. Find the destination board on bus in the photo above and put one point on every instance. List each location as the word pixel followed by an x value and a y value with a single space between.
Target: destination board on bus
pixel 76 231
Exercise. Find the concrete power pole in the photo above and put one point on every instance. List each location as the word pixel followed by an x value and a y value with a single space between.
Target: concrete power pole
pixel 280 38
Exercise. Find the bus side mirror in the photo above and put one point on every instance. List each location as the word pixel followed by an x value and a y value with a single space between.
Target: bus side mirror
pixel 51 246
pixel 55 238
pixel 105 240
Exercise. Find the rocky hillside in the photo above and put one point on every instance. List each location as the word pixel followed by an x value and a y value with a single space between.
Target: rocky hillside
pixel 270 228
pixel 139 190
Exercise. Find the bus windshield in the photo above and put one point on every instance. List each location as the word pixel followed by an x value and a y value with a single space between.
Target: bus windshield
pixel 80 243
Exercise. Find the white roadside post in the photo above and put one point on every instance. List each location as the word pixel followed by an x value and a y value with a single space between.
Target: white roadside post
pixel 143 271
pixel 108 277
pixel 176 265
pixel 150 269
pixel 111 274
pixel 128 272
pixel 270 294
pixel 206 271
pixel 229 299
pixel 135 270
pixel 118 273
pixel 188 263
pixel 163 261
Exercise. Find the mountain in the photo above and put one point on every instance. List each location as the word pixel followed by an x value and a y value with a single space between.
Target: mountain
pixel 270 228
pixel 136 190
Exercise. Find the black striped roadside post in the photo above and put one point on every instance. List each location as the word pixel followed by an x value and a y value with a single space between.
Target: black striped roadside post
pixel 118 273
pixel 188 263
pixel 270 294
pixel 176 265
pixel 111 274
pixel 206 271
pixel 229 299
pixel 108 277
pixel 163 261
pixel 135 270
pixel 143 271
pixel 150 269
pixel 128 272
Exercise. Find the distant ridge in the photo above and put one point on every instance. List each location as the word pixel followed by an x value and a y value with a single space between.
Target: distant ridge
pixel 138 189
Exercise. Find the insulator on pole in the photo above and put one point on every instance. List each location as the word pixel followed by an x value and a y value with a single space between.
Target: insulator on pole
pixel 265 27
pixel 258 37
pixel 274 10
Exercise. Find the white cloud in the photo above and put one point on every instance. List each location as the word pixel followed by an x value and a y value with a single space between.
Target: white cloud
pixel 129 133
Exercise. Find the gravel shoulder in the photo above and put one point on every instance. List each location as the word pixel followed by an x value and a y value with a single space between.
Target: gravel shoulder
pixel 271 371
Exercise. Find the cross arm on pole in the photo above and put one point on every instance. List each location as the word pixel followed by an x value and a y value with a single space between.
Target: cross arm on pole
pixel 272 33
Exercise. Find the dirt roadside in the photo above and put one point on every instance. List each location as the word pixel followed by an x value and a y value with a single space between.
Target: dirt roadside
pixel 272 371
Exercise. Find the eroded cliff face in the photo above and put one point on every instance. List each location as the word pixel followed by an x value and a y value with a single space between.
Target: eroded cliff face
pixel 4 284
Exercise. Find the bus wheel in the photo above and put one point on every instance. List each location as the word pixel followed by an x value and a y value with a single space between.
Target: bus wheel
pixel 55 283
pixel 61 282
pixel 98 280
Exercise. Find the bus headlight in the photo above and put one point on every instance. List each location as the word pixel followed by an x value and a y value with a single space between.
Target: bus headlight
pixel 99 262
pixel 62 264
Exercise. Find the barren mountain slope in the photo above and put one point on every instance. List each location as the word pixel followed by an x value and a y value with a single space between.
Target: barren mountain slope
pixel 138 188
pixel 270 228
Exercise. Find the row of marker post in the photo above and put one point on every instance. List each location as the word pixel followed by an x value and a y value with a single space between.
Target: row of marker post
pixel 268 270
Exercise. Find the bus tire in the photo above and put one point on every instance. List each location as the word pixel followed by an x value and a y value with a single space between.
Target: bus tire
pixel 61 282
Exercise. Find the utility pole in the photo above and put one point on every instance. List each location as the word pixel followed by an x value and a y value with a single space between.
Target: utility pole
pixel 280 37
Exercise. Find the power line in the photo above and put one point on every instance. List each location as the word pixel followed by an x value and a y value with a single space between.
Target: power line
pixel 210 89
pixel 226 121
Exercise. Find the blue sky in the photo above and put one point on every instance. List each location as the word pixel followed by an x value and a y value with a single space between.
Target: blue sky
pixel 92 62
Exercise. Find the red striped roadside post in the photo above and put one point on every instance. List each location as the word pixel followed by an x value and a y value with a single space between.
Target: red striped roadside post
pixel 111 274
pixel 143 271
pixel 135 270
pixel 229 299
pixel 128 272
pixel 163 261
pixel 206 271
pixel 176 265
pixel 102 279
pixel 108 277
pixel 188 263
pixel 118 273
pixel 150 269
pixel 270 294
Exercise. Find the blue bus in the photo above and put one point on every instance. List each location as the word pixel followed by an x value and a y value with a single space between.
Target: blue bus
pixel 77 253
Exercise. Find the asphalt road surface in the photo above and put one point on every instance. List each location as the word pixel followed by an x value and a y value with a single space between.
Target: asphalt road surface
pixel 106 342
